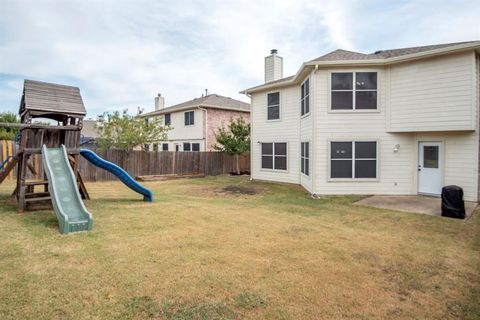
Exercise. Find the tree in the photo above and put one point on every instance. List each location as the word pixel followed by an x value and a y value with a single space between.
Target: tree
pixel 8 133
pixel 124 131
pixel 235 140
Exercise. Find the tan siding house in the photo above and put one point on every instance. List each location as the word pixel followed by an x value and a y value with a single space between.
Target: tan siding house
pixel 402 121
pixel 195 122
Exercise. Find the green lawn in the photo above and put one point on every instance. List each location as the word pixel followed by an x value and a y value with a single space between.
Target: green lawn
pixel 202 251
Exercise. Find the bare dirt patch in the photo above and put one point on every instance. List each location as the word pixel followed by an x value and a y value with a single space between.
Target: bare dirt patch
pixel 239 189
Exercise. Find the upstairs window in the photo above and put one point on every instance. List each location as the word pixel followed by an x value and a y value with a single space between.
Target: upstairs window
pixel 273 106
pixel 168 120
pixel 186 146
pixel 357 159
pixel 354 91
pixel 305 158
pixel 274 156
pixel 305 97
pixel 189 118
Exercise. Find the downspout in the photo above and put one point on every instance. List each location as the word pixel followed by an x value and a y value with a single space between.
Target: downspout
pixel 205 126
pixel 251 134
pixel 314 136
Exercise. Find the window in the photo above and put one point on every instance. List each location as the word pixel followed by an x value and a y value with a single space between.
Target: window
pixel 273 106
pixel 274 156
pixel 165 146
pixel 155 147
pixel 305 158
pixel 186 146
pixel 357 159
pixel 168 119
pixel 305 97
pixel 195 146
pixel 189 118
pixel 430 157
pixel 354 90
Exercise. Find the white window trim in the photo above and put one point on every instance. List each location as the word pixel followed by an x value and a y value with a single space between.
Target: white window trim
pixel 279 106
pixel 308 158
pixel 273 160
pixel 354 71
pixel 353 179
pixel 191 124
pixel 304 98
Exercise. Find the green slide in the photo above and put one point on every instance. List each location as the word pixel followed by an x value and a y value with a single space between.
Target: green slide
pixel 68 205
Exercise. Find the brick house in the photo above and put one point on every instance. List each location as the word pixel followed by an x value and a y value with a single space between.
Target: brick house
pixel 195 122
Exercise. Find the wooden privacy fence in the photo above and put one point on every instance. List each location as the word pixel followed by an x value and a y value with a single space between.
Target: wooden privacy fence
pixel 140 163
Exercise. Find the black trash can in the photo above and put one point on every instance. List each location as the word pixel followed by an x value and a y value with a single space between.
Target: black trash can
pixel 452 202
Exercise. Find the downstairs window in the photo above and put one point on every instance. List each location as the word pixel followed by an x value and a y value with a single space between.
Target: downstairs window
pixel 353 159
pixel 274 155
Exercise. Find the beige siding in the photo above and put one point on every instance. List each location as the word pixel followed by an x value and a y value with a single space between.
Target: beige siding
pixel 414 104
pixel 306 135
pixel 273 68
pixel 283 130
pixel 461 162
pixel 181 132
pixel 395 171
pixel 477 120
pixel 432 95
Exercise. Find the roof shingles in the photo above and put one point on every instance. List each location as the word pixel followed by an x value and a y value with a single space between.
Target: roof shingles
pixel 340 54
pixel 211 100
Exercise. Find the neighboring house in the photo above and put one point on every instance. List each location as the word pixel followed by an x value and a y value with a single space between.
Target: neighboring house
pixel 402 121
pixel 89 133
pixel 195 122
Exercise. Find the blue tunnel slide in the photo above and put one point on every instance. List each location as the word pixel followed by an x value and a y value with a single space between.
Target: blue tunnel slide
pixel 121 174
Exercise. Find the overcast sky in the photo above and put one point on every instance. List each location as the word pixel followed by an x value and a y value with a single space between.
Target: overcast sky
pixel 122 53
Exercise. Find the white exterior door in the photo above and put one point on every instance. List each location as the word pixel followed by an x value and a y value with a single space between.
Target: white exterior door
pixel 430 167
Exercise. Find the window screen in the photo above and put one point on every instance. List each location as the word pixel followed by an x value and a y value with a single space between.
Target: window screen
pixel 274 155
pixel 273 106
pixel 167 119
pixel 341 160
pixel 353 90
pixel 305 97
pixel 189 118
pixel 353 159
pixel 305 158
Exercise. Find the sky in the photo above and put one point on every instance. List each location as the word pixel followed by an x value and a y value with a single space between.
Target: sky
pixel 121 54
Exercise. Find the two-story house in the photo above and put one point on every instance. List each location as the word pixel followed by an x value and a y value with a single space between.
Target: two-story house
pixel 194 123
pixel 401 121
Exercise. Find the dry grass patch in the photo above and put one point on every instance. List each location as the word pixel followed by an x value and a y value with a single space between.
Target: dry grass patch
pixel 275 254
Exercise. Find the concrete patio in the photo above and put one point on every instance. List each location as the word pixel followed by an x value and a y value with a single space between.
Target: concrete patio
pixel 413 204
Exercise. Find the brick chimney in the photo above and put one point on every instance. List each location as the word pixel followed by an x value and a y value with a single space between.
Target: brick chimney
pixel 273 66
pixel 159 102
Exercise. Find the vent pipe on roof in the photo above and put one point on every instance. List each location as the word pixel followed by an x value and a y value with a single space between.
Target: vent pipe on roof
pixel 159 102
pixel 273 66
